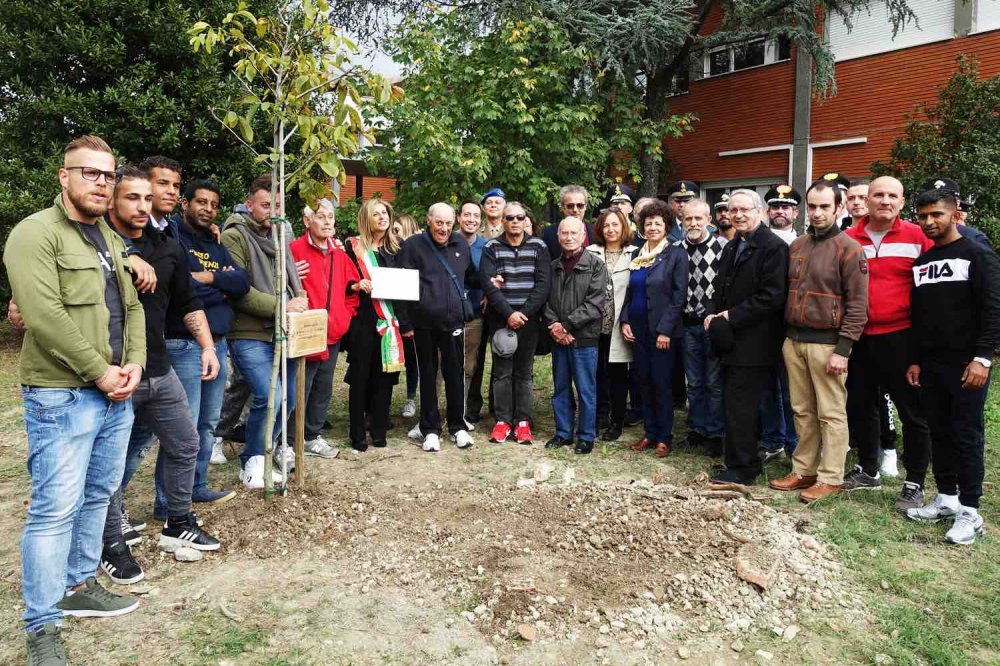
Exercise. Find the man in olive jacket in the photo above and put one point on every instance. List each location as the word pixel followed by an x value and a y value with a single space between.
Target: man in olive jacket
pixel 573 316
pixel 82 357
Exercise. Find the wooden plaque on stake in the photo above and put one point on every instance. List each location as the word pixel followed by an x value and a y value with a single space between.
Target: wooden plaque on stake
pixel 306 333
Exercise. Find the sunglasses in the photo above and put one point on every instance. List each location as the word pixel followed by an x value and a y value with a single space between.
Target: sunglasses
pixel 519 218
pixel 575 206
pixel 90 173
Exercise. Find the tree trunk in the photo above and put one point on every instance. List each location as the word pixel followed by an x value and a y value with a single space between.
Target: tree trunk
pixel 657 90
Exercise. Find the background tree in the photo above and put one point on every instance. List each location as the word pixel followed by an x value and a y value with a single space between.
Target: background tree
pixel 958 137
pixel 121 69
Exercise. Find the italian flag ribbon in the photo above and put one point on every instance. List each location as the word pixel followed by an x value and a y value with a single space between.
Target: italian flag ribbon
pixel 387 325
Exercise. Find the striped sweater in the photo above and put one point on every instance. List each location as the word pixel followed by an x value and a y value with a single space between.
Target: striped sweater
pixel 526 270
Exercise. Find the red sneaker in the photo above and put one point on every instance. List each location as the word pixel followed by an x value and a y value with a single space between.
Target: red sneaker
pixel 501 431
pixel 522 433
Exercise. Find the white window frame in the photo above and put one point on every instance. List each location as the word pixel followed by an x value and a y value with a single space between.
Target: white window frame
pixel 771 50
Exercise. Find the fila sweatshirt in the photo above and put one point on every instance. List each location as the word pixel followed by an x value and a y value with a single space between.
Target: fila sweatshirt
pixel 955 303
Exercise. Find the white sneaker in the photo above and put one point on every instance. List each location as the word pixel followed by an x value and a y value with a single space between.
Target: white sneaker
pixel 409 409
pixel 289 456
pixel 432 443
pixel 943 506
pixel 968 524
pixel 218 457
pixel 415 433
pixel 252 474
pixel 890 465
pixel 319 448
pixel 462 439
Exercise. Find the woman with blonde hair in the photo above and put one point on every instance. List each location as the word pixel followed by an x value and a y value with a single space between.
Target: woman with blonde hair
pixel 404 227
pixel 375 348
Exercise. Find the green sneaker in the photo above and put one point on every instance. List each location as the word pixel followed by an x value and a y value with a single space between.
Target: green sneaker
pixel 44 647
pixel 92 600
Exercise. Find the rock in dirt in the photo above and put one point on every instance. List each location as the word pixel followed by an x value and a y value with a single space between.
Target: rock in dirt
pixel 543 471
pixel 568 476
pixel 791 631
pixel 757 564
pixel 169 546
pixel 883 659
pixel 764 655
pixel 683 652
pixel 187 555
pixel 527 632
pixel 525 483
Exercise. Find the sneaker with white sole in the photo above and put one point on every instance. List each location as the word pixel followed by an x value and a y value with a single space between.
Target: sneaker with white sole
pixel 889 466
pixel 943 506
pixel 129 533
pixel 462 439
pixel 135 523
pixel 252 474
pixel 289 457
pixel 117 562
pixel 858 480
pixel 432 443
pixel 415 433
pixel 409 409
pixel 968 525
pixel 92 600
pixel 911 496
pixel 218 457
pixel 184 532
pixel 318 447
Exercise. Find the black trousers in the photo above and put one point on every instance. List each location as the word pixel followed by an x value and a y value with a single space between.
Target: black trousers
pixel 881 361
pixel 679 378
pixel 451 349
pixel 958 430
pixel 513 377
pixel 412 374
pixel 370 390
pixel 612 384
pixel 740 388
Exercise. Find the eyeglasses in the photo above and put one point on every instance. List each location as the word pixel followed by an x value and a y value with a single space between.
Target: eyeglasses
pixel 519 218
pixel 741 211
pixel 575 206
pixel 90 173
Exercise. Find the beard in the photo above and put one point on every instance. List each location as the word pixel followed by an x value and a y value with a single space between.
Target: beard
pixel 781 222
pixel 724 225
pixel 80 202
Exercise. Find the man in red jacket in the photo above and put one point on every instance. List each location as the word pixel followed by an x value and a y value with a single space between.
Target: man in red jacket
pixel 331 285
pixel 880 357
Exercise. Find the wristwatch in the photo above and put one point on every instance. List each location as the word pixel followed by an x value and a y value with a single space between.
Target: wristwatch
pixel 985 362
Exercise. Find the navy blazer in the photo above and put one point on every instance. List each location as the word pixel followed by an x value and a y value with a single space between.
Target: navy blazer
pixel 666 291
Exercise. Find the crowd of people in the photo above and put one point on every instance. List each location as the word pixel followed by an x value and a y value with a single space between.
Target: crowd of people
pixel 145 324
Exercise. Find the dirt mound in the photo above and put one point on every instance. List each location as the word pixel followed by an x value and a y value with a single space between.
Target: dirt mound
pixel 635 561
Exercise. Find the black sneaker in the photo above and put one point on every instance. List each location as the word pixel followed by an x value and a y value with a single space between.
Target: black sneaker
pixel 633 418
pixel 130 536
pixel 184 532
pixel 769 455
pixel 734 476
pixel 694 440
pixel 714 447
pixel 121 567
pixel 558 442
pixel 44 646
pixel 583 447
pixel 612 434
pixel 134 523
pixel 856 479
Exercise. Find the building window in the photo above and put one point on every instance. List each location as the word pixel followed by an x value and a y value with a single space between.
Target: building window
pixel 756 53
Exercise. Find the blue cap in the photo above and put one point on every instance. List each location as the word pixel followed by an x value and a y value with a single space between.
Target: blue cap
pixel 495 192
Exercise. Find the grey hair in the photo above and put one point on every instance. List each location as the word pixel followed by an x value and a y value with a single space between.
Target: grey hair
pixel 571 219
pixel 758 203
pixel 573 189
pixel 699 203
pixel 322 203
pixel 441 207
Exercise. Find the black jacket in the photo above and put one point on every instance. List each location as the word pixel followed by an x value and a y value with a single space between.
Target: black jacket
pixel 173 299
pixel 666 293
pixel 440 304
pixel 753 289
pixel 576 300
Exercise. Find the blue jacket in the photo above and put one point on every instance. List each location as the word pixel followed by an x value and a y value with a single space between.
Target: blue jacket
pixel 974 234
pixel 204 253
pixel 666 291
pixel 476 295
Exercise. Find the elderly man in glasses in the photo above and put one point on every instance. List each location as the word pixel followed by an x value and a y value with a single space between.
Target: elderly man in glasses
pixel 573 201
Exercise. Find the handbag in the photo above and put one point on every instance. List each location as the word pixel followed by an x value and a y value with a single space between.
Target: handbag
pixel 467 313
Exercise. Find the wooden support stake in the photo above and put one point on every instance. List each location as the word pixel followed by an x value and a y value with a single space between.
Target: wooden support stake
pixel 300 420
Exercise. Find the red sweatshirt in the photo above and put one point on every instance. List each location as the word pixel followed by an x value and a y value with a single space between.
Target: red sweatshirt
pixel 330 276
pixel 890 276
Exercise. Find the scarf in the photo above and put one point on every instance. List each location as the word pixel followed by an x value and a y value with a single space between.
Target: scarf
pixel 263 251
pixel 645 257
pixel 387 326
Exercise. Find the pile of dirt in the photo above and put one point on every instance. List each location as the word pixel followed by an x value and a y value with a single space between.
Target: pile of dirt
pixel 633 562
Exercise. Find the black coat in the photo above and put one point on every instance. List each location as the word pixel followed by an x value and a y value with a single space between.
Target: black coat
pixel 754 291
pixel 440 304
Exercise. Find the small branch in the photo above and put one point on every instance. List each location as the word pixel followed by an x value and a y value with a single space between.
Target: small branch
pixel 234 133
pixel 288 136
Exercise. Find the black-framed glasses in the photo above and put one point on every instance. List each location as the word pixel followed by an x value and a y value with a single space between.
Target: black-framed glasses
pixel 93 174
pixel 519 218
pixel 575 206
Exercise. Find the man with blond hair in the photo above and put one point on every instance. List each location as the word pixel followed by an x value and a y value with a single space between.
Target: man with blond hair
pixel 81 359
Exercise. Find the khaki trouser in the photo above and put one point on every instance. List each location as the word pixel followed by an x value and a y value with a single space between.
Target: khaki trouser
pixel 473 336
pixel 819 401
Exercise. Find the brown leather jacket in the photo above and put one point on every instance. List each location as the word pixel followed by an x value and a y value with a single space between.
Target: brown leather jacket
pixel 827 290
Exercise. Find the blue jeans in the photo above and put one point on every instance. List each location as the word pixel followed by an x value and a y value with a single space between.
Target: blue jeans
pixel 76 454
pixel 777 421
pixel 254 359
pixel 704 378
pixel 655 368
pixel 575 366
pixel 204 399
